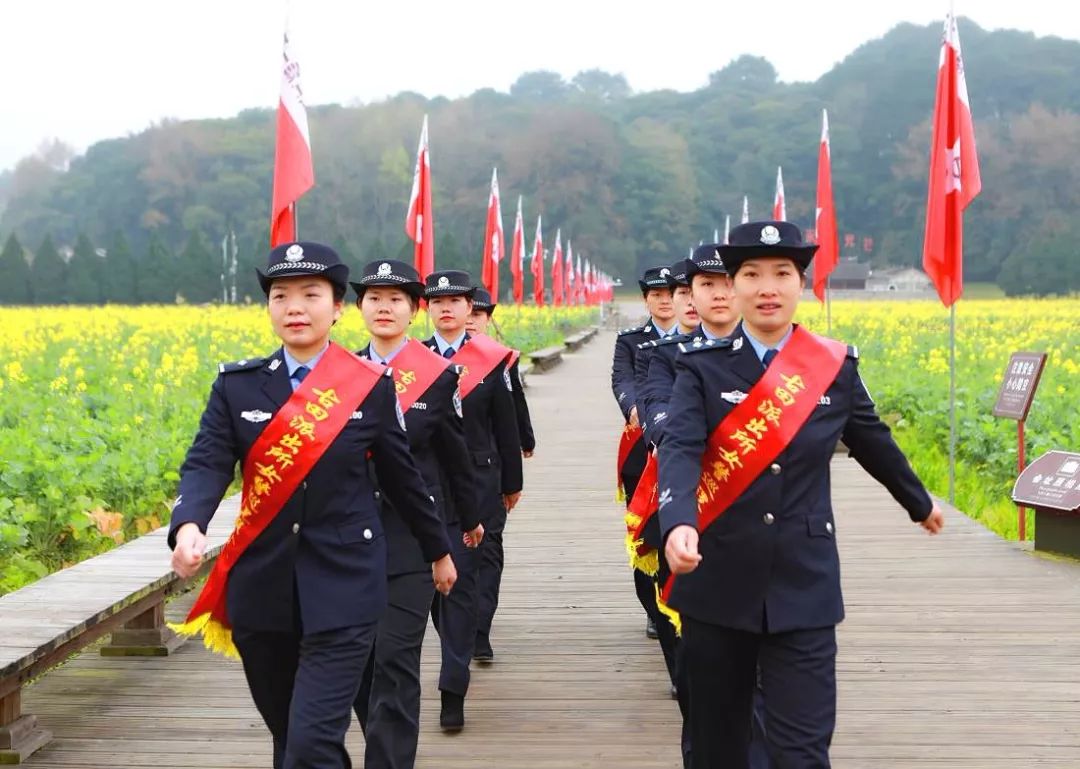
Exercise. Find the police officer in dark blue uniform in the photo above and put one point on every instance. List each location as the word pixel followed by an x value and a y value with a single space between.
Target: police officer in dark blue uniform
pixel 656 291
pixel 495 448
pixel 388 705
pixel 491 555
pixel 761 584
pixel 304 598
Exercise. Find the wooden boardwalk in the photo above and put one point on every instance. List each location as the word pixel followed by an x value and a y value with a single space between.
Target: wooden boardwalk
pixel 959 651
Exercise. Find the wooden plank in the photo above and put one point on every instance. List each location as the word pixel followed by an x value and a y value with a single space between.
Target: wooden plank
pixel 959 652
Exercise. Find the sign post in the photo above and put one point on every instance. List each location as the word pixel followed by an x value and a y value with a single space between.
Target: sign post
pixel 1014 399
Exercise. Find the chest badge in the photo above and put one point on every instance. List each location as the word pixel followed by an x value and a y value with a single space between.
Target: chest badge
pixel 734 396
pixel 255 416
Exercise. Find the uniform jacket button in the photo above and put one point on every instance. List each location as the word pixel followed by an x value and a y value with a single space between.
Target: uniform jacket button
pixel 769 518
pixel 378 495
pixel 774 469
pixel 296 528
pixel 367 534
pixel 829 527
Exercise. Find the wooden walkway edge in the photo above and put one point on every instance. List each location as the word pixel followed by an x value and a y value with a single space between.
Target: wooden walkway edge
pixel 959 651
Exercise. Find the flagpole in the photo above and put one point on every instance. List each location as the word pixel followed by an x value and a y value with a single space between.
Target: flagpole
pixel 952 403
pixel 828 306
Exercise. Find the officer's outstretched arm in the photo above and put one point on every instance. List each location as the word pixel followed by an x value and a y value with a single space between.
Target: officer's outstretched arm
pixel 681 453
pixel 872 446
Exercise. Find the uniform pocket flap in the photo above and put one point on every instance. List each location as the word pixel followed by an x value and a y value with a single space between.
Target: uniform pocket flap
pixel 820 526
pixel 351 533
pixel 483 458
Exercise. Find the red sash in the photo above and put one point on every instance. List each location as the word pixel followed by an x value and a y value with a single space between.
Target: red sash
pixel 644 502
pixel 514 356
pixel 759 428
pixel 293 441
pixel 415 368
pixel 630 436
pixel 477 358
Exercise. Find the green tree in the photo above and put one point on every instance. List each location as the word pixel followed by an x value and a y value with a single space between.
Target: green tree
pixel 121 272
pixel 49 275
pixel 15 288
pixel 159 268
pixel 199 271
pixel 86 274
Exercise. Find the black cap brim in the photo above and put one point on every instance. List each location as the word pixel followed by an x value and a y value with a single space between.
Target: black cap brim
pixel 337 274
pixel 412 288
pixel 734 256
pixel 466 292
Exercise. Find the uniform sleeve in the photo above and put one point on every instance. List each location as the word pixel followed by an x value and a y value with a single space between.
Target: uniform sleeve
pixel 872 446
pixel 642 356
pixel 209 467
pixel 622 376
pixel 658 385
pixel 507 441
pixel 682 450
pixel 521 408
pixel 450 448
pixel 398 476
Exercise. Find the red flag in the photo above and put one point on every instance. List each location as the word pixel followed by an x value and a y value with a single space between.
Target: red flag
pixel 557 281
pixel 828 253
pixel 293 172
pixel 517 257
pixel 779 207
pixel 579 281
pixel 954 172
pixel 493 241
pixel 571 287
pixel 538 266
pixel 419 222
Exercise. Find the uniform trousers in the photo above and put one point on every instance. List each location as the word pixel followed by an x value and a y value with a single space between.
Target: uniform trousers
pixel 490 553
pixel 798 683
pixel 454 617
pixel 388 704
pixel 304 685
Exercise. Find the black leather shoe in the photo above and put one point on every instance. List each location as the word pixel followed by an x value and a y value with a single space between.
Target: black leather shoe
pixel 482 651
pixel 452 715
pixel 650 628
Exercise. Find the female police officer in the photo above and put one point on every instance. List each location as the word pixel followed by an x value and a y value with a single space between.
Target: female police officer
pixel 745 509
pixel 388 705
pixel 301 583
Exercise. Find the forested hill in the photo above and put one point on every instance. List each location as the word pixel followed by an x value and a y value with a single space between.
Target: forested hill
pixel 630 177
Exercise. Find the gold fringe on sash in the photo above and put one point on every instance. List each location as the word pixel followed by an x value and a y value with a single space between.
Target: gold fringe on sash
pixel 667 611
pixel 650 562
pixel 215 636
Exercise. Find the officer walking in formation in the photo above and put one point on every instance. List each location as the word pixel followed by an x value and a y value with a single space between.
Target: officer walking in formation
pixel 388 705
pixel 492 436
pixel 656 293
pixel 300 586
pixel 491 550
pixel 746 513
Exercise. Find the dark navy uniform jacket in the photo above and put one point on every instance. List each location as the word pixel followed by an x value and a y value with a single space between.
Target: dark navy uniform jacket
pixel 521 407
pixel 623 383
pixel 491 429
pixel 436 434
pixel 654 376
pixel 324 554
pixel 770 563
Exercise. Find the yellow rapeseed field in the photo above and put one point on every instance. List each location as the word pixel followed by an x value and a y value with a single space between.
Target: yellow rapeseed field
pixel 98 406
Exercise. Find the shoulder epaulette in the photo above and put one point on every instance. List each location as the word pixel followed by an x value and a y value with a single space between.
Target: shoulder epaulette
pixel 240 365
pixel 674 339
pixel 634 330
pixel 853 351
pixel 699 345
pixel 648 344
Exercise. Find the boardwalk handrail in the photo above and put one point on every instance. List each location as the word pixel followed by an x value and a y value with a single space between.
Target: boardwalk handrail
pixel 122 591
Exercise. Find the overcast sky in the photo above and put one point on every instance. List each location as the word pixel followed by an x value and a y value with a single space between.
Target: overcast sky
pixel 83 71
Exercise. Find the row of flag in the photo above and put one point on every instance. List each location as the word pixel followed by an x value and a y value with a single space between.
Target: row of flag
pixel 954 181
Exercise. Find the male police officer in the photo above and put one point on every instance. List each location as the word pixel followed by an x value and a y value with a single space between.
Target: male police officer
pixel 657 295
pixel 745 509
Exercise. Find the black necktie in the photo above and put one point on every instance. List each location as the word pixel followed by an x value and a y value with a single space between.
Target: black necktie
pixel 449 353
pixel 300 373
pixel 767 358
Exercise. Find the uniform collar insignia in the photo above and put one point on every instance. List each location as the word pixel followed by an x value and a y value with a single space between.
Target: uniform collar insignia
pixel 647 329
pixel 274 364
pixel 737 344
pixel 697 343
